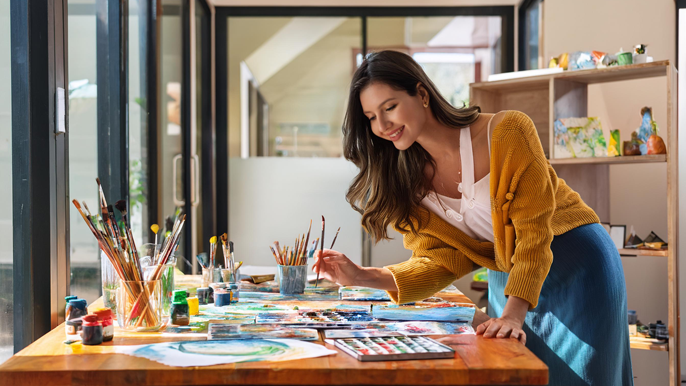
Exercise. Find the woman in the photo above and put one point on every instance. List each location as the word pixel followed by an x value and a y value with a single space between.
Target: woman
pixel 468 189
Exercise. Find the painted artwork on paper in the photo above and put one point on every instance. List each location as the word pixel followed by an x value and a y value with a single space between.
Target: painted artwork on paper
pixel 215 352
pixel 363 294
pixel 355 333
pixel 376 329
pixel 260 331
pixel 420 311
pixel 308 295
pixel 316 319
pixel 579 138
pixel 196 326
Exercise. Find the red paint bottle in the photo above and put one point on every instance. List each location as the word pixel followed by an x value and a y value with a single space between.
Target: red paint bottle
pixel 92 330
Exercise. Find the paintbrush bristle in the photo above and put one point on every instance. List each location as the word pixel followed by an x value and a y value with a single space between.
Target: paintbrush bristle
pixel 154 228
pixel 121 206
pixel 213 240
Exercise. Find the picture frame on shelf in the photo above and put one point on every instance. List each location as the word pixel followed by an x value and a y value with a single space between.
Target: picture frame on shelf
pixel 618 235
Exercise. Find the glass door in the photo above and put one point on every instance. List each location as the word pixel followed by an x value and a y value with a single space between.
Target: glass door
pixel 187 140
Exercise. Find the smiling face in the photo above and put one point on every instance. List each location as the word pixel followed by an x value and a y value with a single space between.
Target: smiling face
pixel 395 115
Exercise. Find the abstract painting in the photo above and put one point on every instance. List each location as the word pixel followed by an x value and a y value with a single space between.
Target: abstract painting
pixel 363 294
pixel 260 331
pixel 579 138
pixel 436 312
pixel 215 352
pixel 403 328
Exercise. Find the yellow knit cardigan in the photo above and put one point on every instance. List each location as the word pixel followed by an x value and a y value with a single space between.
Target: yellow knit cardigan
pixel 529 206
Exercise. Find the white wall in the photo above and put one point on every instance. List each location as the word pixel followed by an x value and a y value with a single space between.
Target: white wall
pixel 638 192
pixel 274 198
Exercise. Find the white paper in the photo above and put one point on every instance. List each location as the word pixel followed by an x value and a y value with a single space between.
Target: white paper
pixel 216 352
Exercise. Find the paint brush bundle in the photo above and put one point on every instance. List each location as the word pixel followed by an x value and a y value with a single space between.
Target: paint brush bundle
pixel 301 250
pixel 117 243
pixel 296 255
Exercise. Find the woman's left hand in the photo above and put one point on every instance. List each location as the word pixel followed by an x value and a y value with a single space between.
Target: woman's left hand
pixel 502 327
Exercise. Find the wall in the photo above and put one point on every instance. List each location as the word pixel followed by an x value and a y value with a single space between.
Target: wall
pixel 267 205
pixel 638 192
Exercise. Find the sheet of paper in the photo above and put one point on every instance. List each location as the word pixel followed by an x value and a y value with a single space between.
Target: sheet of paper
pixel 215 352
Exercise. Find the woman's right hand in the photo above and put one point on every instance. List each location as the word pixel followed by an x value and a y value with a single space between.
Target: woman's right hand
pixel 336 267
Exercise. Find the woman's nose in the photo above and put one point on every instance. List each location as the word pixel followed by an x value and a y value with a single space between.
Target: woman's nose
pixel 385 125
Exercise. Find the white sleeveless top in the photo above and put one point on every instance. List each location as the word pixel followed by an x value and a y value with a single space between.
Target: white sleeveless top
pixel 472 213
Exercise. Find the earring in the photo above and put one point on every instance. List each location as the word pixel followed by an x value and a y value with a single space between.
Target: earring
pixel 426 104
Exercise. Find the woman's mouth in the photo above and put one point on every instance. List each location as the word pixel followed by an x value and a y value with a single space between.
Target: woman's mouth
pixel 394 136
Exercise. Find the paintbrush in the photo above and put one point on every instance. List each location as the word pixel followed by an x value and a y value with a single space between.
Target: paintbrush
pixel 121 206
pixel 274 253
pixel 335 237
pixel 225 239
pixel 277 252
pixel 201 259
pixel 103 202
pixel 213 250
pixel 155 228
pixel 232 261
pixel 307 240
pixel 321 251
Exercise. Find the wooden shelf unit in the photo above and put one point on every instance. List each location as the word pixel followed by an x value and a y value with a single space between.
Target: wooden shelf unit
pixel 642 252
pixel 546 98
pixel 642 343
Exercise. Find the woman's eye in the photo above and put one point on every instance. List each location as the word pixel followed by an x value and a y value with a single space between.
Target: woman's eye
pixel 391 108
pixel 372 118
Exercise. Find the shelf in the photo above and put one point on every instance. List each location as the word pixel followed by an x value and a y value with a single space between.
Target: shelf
pixel 595 75
pixel 642 252
pixel 631 159
pixel 641 343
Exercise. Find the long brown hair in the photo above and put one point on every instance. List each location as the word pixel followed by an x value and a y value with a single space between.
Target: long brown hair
pixel 391 183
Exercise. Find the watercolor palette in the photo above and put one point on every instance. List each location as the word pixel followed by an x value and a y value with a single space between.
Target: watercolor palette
pixel 260 331
pixel 393 348
pixel 317 319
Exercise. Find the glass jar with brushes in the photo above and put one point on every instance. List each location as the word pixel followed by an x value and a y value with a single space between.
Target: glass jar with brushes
pixel 148 252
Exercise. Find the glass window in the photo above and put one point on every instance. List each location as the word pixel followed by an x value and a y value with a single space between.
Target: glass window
pixel 6 258
pixel 171 73
pixel 138 124
pixel 288 84
pixel 453 51
pixel 83 160
pixel 532 15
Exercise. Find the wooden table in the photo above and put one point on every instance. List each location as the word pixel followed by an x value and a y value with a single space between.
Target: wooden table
pixel 478 361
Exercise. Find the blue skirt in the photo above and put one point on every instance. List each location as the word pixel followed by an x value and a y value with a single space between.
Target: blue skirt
pixel 580 326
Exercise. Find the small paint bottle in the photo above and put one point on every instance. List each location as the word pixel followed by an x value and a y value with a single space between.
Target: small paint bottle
pixel 92 330
pixel 233 287
pixel 67 307
pixel 222 297
pixel 77 309
pixel 193 306
pixel 179 309
pixel 203 294
pixel 72 329
pixel 105 318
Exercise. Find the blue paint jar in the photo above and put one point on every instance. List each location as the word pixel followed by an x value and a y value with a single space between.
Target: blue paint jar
pixel 203 295
pixel 76 308
pixel 234 292
pixel 67 309
pixel 222 298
